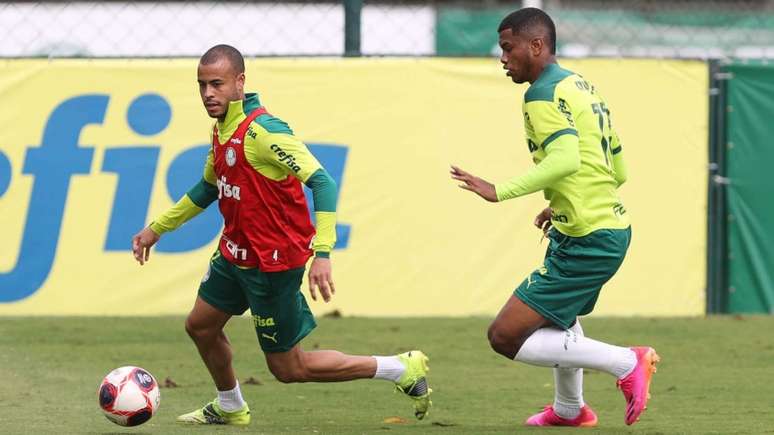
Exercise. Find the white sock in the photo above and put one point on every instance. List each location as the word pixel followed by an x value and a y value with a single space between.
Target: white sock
pixel 231 400
pixel 552 347
pixel 568 387
pixel 389 368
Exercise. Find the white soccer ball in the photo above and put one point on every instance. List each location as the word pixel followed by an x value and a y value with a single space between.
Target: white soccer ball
pixel 129 396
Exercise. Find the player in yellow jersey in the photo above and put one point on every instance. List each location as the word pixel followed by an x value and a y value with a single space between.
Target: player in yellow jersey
pixel 579 167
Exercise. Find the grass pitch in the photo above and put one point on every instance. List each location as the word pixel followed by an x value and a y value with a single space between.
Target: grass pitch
pixel 715 377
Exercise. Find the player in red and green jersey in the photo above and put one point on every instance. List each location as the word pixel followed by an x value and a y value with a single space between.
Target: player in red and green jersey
pixel 255 170
pixel 579 167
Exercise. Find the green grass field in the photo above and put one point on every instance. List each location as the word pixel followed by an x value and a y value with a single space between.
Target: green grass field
pixel 715 377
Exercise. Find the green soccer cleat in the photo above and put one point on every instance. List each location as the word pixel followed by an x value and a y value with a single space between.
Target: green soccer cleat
pixel 413 383
pixel 212 414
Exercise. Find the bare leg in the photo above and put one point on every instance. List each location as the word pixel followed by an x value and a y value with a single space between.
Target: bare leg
pixel 205 327
pixel 518 329
pixel 297 365
pixel 513 326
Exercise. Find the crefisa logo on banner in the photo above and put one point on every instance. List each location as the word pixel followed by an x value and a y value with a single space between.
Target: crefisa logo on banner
pixel 60 156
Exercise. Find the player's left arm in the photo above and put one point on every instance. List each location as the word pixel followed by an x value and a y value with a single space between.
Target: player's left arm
pixel 289 154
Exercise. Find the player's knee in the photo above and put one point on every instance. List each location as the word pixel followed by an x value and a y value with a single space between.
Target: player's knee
pixel 289 374
pixel 284 376
pixel 502 342
pixel 196 331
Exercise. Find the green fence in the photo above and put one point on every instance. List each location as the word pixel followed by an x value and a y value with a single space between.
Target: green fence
pixel 741 192
pixel 684 29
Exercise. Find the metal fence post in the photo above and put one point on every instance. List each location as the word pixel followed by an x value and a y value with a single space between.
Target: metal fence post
pixel 717 220
pixel 352 12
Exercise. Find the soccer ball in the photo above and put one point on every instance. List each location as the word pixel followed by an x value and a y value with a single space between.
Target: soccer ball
pixel 129 396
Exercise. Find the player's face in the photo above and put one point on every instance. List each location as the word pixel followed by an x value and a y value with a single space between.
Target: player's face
pixel 516 57
pixel 219 84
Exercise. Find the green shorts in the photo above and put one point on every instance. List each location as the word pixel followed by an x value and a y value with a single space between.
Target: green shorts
pixel 280 313
pixel 573 273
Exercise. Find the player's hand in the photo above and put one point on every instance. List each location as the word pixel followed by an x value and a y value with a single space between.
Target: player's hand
pixel 474 184
pixel 543 220
pixel 321 278
pixel 141 244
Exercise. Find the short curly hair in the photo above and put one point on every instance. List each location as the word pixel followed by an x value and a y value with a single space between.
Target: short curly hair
pixel 528 19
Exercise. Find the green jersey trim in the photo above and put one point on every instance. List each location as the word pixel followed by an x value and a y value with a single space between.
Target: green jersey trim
pixel 543 88
pixel 267 121
pixel 323 190
pixel 557 134
pixel 203 193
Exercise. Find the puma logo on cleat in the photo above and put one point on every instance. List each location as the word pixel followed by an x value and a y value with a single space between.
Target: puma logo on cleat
pixel 211 416
pixel 272 337
pixel 418 389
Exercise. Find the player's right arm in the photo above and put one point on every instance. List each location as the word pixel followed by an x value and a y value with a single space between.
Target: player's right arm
pixel 562 159
pixel 199 197
pixel 554 131
pixel 543 219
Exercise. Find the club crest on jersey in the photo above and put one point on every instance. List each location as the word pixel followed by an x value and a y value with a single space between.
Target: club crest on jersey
pixel 231 155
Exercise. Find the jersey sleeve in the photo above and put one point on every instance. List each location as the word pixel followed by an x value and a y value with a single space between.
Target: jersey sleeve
pixel 209 168
pixel 183 211
pixel 324 192
pixel 550 120
pixel 550 123
pixel 562 159
pixel 290 155
pixel 198 197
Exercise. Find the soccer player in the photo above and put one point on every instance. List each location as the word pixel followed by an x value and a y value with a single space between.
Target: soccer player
pixel 579 166
pixel 254 169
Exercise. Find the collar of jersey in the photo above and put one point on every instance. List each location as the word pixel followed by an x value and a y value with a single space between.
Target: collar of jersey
pixel 548 70
pixel 237 111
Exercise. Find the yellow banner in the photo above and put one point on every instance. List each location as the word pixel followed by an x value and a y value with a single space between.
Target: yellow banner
pixel 91 150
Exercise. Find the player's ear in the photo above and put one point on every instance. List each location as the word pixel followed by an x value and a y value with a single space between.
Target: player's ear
pixel 240 80
pixel 536 46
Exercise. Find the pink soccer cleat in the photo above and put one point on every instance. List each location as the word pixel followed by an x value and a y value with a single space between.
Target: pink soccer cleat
pixel 636 385
pixel 548 417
